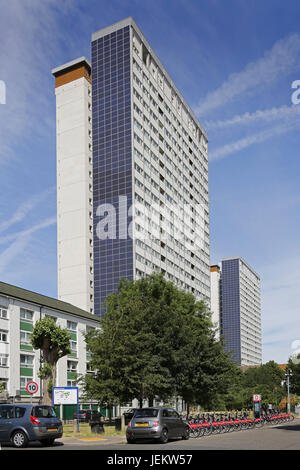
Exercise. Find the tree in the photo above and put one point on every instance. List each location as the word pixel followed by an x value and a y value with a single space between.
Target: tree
pixel 294 366
pixel 155 341
pixel 131 352
pixel 54 343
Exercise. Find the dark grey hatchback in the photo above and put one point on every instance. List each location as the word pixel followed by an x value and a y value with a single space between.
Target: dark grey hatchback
pixel 156 423
pixel 21 424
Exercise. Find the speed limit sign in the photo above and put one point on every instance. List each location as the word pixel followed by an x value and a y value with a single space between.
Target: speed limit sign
pixel 32 387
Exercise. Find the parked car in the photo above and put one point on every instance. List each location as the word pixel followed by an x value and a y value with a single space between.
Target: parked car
pixel 85 416
pixel 156 423
pixel 21 424
pixel 81 415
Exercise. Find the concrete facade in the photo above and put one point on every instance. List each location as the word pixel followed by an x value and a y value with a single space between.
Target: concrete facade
pixel 74 183
pixel 19 362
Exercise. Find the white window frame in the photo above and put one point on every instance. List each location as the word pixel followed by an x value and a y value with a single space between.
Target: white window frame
pixel 3 336
pixel 28 312
pixel 4 360
pixel 5 315
pixel 70 326
pixel 70 366
pixel 26 381
pixel 29 364
pixel 27 335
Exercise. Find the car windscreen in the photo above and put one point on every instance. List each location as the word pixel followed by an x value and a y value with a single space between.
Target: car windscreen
pixel 146 413
pixel 44 412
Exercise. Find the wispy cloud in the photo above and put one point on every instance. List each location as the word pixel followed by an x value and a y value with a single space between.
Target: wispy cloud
pixel 256 138
pixel 264 116
pixel 21 240
pixel 281 60
pixel 29 36
pixel 24 208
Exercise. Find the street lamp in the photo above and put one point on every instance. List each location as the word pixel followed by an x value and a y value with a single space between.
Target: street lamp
pixel 288 375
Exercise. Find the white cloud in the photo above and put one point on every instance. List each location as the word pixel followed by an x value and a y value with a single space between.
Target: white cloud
pixel 24 208
pixel 29 43
pixel 281 60
pixel 21 240
pixel 263 116
pixel 280 306
pixel 257 138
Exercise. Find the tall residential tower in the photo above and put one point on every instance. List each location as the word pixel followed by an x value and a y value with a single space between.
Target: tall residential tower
pixel 74 183
pixel 241 311
pixel 150 170
pixel 132 173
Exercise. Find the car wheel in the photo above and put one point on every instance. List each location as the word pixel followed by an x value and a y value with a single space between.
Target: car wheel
pixel 130 440
pixel 19 439
pixel 186 434
pixel 164 437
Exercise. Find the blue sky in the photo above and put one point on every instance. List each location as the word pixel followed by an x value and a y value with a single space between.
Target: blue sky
pixel 235 62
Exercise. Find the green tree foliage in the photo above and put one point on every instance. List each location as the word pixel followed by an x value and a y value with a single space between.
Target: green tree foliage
pixel 294 367
pixel 265 380
pixel 54 343
pixel 155 341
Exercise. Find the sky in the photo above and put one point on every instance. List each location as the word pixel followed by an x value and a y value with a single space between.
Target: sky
pixel 235 62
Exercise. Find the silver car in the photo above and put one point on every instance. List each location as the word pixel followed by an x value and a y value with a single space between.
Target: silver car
pixel 156 423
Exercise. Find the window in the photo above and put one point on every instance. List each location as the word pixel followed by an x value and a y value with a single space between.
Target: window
pixel 19 411
pixel 3 360
pixel 43 412
pixel 24 337
pixel 71 383
pixel 4 382
pixel 72 366
pixel 71 326
pixel 24 381
pixel 3 313
pixel 6 412
pixel 26 360
pixel 73 345
pixel 26 315
pixel 3 336
pixel 146 413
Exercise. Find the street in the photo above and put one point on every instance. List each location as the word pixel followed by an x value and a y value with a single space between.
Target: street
pixel 278 437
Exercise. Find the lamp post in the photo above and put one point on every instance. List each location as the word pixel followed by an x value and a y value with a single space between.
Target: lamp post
pixel 288 375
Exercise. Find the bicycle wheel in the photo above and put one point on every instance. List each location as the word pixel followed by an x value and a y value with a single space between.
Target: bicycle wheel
pixel 194 432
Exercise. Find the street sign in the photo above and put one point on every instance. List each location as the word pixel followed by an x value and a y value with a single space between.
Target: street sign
pixel 256 397
pixel 65 395
pixel 32 387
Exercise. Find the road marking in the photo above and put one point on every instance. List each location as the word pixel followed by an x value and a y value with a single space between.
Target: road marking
pixel 93 439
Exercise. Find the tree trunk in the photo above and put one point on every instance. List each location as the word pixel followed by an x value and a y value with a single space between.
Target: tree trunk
pixel 46 400
pixel 151 401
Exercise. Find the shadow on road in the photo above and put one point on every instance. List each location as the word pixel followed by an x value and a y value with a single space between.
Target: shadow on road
pixel 32 445
pixel 289 427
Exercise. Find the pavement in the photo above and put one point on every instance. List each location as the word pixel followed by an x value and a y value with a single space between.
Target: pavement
pixel 101 439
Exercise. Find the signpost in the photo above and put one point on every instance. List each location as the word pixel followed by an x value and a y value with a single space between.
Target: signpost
pixel 256 398
pixel 32 388
pixel 256 405
pixel 66 396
